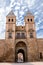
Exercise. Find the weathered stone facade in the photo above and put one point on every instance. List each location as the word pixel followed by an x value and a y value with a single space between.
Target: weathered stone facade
pixel 21 39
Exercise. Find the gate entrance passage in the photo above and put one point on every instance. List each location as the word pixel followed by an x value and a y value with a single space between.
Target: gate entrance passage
pixel 20 55
pixel 20 52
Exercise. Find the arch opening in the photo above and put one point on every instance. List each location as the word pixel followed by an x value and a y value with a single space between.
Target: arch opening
pixel 20 56
pixel 20 52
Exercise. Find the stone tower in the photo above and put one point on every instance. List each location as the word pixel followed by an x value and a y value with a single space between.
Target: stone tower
pixel 30 26
pixel 31 36
pixel 10 32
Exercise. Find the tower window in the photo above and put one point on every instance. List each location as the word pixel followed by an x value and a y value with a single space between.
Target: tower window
pixel 31 35
pixel 31 20
pixel 12 20
pixel 17 35
pixel 10 35
pixel 23 35
pixel 40 55
pixel 28 19
pixel 9 20
pixel 20 35
pixel 22 27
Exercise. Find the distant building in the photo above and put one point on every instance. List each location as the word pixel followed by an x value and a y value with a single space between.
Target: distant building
pixel 21 39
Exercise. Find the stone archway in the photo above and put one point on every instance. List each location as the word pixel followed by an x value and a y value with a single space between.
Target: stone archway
pixel 20 50
pixel 21 55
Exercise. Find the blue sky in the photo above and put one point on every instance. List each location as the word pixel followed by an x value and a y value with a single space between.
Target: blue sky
pixel 20 7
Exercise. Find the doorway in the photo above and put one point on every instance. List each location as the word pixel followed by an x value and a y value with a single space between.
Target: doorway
pixel 20 55
pixel 20 52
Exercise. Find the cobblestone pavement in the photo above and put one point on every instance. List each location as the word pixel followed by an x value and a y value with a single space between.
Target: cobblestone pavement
pixel 29 63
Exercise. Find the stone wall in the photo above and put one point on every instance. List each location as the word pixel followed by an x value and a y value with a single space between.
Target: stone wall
pixel 40 47
pixel 6 51
pixel 34 47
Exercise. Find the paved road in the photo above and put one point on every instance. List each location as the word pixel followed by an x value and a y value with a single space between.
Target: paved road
pixel 29 63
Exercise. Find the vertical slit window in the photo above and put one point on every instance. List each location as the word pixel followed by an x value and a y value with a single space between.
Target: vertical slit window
pixel 40 55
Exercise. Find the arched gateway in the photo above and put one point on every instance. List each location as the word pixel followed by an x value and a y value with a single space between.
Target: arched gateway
pixel 20 52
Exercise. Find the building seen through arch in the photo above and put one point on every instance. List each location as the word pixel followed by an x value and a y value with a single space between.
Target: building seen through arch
pixel 20 43
pixel 20 56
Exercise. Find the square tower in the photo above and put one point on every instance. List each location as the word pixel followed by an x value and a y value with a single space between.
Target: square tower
pixel 10 26
pixel 32 49
pixel 30 25
pixel 10 35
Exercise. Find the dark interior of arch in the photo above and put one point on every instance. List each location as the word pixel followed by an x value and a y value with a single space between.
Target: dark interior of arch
pixel 22 51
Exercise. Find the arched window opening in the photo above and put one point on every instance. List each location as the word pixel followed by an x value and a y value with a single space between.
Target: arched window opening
pixel 8 20
pixel 31 35
pixel 17 35
pixel 28 20
pixel 12 20
pixel 10 35
pixel 31 20
pixel 20 35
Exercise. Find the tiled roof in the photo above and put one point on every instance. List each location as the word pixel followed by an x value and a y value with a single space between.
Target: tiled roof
pixel 28 13
pixel 11 13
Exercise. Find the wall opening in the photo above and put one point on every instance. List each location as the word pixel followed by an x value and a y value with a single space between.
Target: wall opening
pixel 20 52
pixel 20 56
pixel 40 55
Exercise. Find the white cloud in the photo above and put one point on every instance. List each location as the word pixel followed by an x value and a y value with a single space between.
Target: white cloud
pixel 21 12
pixel 30 2
pixel 2 36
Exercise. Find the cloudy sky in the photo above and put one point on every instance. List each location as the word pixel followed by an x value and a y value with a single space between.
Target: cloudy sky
pixel 20 7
